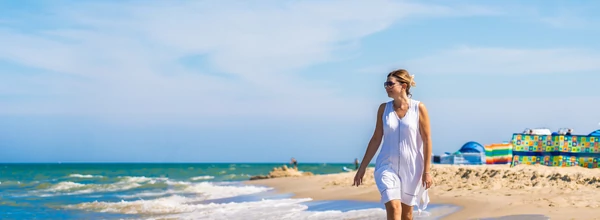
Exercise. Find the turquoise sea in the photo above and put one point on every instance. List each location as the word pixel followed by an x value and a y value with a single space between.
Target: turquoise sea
pixel 163 191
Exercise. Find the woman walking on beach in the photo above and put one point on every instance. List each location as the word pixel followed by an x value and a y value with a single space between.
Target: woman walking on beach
pixel 402 167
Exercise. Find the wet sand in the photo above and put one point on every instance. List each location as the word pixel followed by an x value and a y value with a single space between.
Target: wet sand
pixel 487 191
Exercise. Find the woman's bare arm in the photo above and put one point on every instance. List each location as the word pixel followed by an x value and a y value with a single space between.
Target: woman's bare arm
pixel 375 139
pixel 425 130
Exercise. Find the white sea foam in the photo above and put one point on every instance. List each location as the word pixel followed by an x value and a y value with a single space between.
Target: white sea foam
pixel 77 175
pixel 65 186
pixel 271 209
pixel 73 188
pixel 214 191
pixel 194 200
pixel 202 190
pixel 173 203
pixel 147 194
pixel 202 178
pixel 177 207
pixel 165 205
pixel 287 209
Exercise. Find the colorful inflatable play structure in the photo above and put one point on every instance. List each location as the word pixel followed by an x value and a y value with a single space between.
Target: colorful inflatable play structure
pixel 557 150
pixel 500 153
pixel 533 146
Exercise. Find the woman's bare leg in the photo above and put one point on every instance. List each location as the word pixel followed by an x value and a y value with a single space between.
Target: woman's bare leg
pixel 407 212
pixel 393 210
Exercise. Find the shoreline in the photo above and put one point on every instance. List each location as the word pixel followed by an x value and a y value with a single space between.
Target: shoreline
pixel 481 191
pixel 297 188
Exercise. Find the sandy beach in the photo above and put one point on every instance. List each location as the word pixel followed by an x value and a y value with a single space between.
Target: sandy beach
pixel 482 191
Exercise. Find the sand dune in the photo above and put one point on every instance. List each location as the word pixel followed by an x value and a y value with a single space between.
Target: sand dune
pixel 482 191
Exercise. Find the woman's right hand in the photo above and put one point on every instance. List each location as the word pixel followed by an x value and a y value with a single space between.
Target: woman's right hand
pixel 360 173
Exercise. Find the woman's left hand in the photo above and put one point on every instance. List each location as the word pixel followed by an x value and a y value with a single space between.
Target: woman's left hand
pixel 427 180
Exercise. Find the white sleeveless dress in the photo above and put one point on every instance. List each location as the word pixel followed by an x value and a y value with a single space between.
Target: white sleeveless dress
pixel 399 166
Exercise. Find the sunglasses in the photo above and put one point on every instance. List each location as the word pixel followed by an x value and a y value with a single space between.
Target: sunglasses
pixel 388 84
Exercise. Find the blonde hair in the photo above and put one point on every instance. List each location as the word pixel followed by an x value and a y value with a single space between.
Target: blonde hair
pixel 404 77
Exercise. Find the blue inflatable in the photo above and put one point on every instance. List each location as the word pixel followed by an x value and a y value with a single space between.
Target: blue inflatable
pixel 595 133
pixel 472 147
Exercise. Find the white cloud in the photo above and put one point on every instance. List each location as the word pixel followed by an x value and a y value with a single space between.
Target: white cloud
pixel 125 56
pixel 506 61
pixel 567 21
pixel 570 16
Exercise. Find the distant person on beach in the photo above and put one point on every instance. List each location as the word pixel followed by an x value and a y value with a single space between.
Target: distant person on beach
pixel 570 131
pixel 294 163
pixel 356 163
pixel 402 169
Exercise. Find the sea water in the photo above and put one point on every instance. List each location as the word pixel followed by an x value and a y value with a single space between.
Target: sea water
pixel 167 191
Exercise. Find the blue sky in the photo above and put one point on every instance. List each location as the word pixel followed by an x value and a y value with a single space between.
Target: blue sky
pixel 226 81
